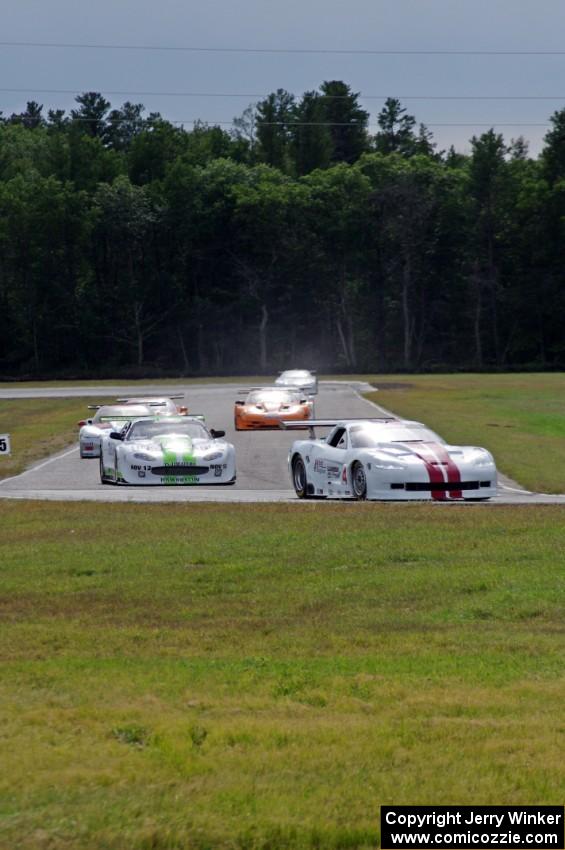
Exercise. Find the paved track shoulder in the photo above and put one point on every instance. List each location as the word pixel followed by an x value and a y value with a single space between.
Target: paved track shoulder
pixel 261 456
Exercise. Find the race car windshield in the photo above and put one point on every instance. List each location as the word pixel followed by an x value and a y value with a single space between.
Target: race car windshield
pixel 152 402
pixel 299 376
pixel 370 436
pixel 119 414
pixel 147 430
pixel 273 397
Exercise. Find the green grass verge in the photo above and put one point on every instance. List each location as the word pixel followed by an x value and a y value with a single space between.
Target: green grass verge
pixel 124 382
pixel 39 427
pixel 520 418
pixel 208 676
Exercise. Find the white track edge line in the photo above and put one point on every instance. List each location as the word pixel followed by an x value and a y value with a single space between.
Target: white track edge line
pixel 389 412
pixel 516 490
pixel 40 466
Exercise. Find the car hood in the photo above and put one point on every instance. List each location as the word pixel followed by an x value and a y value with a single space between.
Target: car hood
pixel 272 407
pixel 176 448
pixel 435 452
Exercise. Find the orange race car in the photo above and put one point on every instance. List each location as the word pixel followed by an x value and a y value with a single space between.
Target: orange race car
pixel 264 407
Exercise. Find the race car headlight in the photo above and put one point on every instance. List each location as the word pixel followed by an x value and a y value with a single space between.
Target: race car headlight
pixel 143 456
pixel 213 456
pixel 385 463
pixel 483 459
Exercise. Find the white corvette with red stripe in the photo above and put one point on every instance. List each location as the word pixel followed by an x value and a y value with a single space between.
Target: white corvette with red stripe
pixel 387 459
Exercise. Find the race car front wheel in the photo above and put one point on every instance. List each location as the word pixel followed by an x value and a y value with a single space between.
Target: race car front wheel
pixel 299 477
pixel 103 479
pixel 359 481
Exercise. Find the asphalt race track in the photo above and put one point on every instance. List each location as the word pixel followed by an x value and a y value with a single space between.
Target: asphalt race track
pixel 261 457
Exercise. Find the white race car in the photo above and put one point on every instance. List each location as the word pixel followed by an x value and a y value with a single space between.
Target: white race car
pixel 168 450
pixel 388 459
pixel 108 417
pixel 159 404
pixel 298 379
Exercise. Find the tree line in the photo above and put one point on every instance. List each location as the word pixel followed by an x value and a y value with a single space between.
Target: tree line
pixel 129 245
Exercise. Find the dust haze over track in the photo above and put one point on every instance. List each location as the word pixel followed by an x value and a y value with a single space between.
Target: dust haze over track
pixel 261 456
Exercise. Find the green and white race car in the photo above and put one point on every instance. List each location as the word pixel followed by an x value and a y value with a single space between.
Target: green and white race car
pixel 169 450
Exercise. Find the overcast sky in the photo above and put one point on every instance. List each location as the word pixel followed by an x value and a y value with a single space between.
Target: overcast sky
pixel 372 25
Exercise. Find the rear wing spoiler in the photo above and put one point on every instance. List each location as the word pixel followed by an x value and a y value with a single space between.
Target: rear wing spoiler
pixel 311 424
pixel 151 403
pixel 278 388
pixel 300 424
pixel 151 418
pixel 133 398
pixel 306 389
pixel 265 387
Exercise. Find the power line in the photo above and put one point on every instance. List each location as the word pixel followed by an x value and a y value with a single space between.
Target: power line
pixel 138 93
pixel 263 95
pixel 489 124
pixel 277 50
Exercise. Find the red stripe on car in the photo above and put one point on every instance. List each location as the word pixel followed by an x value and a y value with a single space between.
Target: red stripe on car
pixel 443 461
pixel 435 472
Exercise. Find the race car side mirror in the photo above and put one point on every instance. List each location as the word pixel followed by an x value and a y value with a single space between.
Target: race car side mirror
pixel 217 434
pixel 115 435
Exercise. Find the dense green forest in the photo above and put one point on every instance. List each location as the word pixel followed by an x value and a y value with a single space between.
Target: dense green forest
pixel 129 245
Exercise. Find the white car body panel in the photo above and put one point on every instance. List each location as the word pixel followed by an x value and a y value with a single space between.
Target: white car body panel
pixel 169 456
pixel 419 466
pixel 298 379
pixel 159 405
pixel 107 418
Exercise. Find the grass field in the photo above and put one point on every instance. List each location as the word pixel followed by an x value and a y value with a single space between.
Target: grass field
pixel 208 676
pixel 520 418
pixel 39 427
pixel 124 382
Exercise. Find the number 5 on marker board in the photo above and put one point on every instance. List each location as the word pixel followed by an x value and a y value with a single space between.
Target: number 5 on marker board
pixel 5 448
